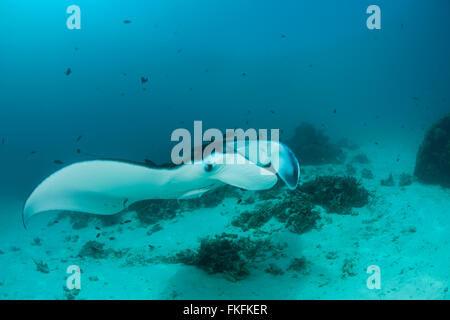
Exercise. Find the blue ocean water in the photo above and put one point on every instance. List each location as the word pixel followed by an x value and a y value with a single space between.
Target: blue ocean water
pixel 230 64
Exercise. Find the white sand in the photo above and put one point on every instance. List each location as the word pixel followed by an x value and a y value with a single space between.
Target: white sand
pixel 404 231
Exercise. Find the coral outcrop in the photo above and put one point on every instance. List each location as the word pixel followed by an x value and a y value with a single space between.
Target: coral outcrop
pixel 433 157
pixel 312 146
pixel 337 194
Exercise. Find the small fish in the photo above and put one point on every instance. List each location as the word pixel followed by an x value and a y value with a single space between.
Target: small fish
pixel 179 50
pixel 126 221
pixel 376 142
pixel 79 138
pixel 334 111
pixel 57 161
pixel 68 71
pixel 3 140
pixel 126 21
pixel 97 228
pixel 144 80
pixel 78 150
pixel 272 111
pixel 239 201
pixel 33 152
pixel 98 235
pixel 244 74
pixel 206 70
pixel 76 49
pixel 283 36
pixel 125 202
pixel 190 89
pixel 310 65
pixel 415 98
pixel 112 238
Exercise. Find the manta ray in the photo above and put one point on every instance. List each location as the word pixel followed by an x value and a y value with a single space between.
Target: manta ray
pixel 107 187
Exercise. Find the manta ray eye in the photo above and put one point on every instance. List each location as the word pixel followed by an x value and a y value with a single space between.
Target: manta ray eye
pixel 208 167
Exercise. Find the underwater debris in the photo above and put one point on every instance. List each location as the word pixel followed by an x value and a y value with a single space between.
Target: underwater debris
pixel 137 258
pixel 361 158
pixel 299 265
pixel 227 254
pixel 94 249
pixel 348 268
pixel 388 182
pixel 41 266
pixel 155 228
pixel 313 147
pixel 337 194
pixel 274 269
pixel 405 180
pixel 332 255
pixel 367 174
pixel 70 294
pixel 433 157
pixel 36 242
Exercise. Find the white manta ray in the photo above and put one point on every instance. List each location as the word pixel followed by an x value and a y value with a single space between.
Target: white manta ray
pixel 107 187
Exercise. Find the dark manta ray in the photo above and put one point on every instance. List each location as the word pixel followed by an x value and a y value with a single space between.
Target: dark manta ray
pixel 107 187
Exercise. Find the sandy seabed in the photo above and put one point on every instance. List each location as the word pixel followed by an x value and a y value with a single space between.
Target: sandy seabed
pixel 403 230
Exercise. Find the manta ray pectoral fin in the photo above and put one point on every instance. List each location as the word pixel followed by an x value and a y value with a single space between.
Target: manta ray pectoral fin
pixel 98 187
